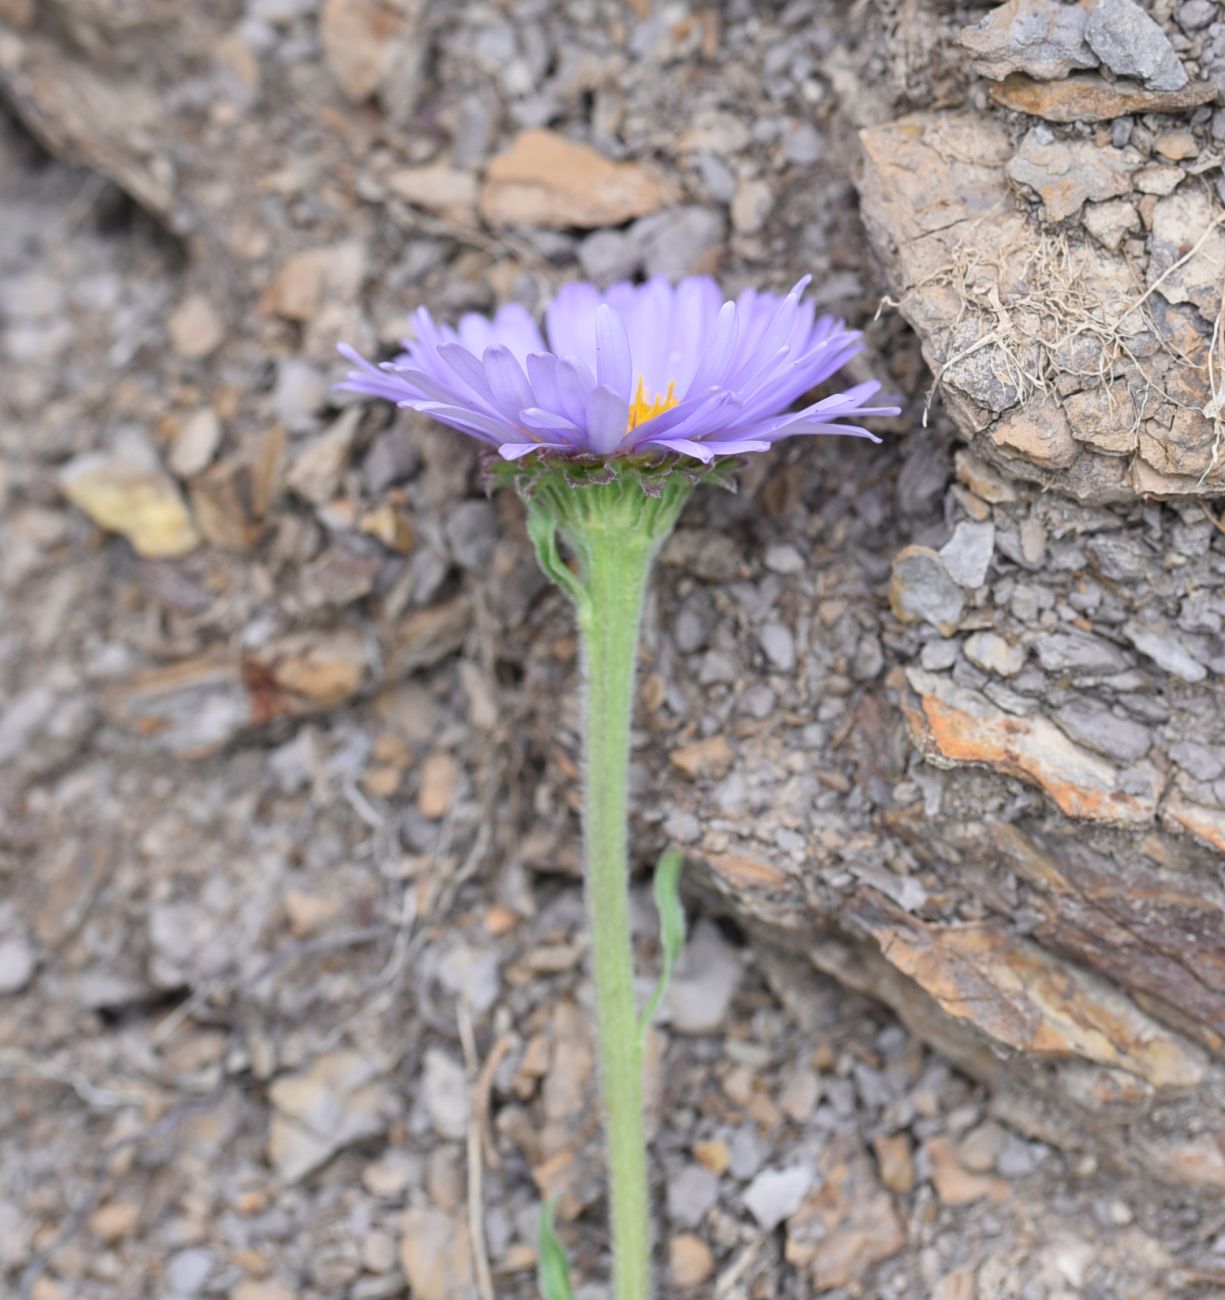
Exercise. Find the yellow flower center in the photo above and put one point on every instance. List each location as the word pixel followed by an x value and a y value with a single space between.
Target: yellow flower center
pixel 644 408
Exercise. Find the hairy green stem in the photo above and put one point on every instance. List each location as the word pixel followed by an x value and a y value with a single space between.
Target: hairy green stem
pixel 616 570
pixel 615 526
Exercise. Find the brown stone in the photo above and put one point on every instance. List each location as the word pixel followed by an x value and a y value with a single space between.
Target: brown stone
pixel 848 1225
pixel 20 13
pixel 319 463
pixel 1178 146
pixel 340 1099
pixel 308 913
pixel 1158 937
pixel 1188 224
pixel 545 179
pixel 231 500
pixel 1013 317
pixel 1158 179
pixel 436 1255
pixel 982 480
pixel 390 526
pixel 428 635
pixel 305 673
pixel 115 1221
pixel 895 1162
pixel 958 725
pixel 738 869
pixel 439 780
pixel 195 707
pixel 196 439
pixel 561 1165
pixel 195 328
pixel 1091 99
pixel 704 758
pixel 1111 222
pixel 921 589
pixel 690 1262
pixel 1039 432
pixel 713 1155
pixel 1206 824
pixel 252 1290
pixel 359 43
pixel 436 188
pixel 309 279
pixel 954 1183
pixel 1038 37
pixel 957 1285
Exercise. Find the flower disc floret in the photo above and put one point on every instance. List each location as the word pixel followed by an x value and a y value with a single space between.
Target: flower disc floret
pixel 646 370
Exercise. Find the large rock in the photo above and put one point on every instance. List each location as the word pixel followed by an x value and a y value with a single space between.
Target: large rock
pixel 1037 889
pixel 1051 355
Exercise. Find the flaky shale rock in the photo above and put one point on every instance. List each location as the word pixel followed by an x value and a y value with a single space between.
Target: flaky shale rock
pixel 1038 891
pixel 1079 365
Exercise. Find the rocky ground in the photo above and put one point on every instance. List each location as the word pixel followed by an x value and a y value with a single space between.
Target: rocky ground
pixel 291 955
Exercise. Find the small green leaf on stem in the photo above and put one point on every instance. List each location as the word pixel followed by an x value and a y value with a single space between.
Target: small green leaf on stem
pixel 542 529
pixel 671 929
pixel 552 1271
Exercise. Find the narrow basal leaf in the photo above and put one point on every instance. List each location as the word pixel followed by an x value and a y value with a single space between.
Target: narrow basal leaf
pixel 671 928
pixel 552 1271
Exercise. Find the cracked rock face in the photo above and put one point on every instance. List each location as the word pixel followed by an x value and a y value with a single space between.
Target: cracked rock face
pixel 1052 810
pixel 1062 361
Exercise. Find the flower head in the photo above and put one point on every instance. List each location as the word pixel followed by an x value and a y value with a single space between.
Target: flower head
pixel 639 370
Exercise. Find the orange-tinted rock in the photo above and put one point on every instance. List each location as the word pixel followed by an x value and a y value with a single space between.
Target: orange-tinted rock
pixel 1206 824
pixel 954 1183
pixel 1091 99
pixel 1015 993
pixel 958 725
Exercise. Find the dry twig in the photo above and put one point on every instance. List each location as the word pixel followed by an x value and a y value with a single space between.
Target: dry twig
pixel 476 1168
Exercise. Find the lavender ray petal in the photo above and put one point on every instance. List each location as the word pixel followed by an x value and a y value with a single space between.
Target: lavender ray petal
pixel 486 427
pixel 607 417
pixel 517 450
pixel 696 306
pixel 470 370
pixel 570 322
pixel 507 382
pixel 613 364
pixel 541 421
pixel 514 327
pixel 717 351
pixel 417 382
pixel 687 447
pixel 542 375
pixel 775 333
pixel 574 386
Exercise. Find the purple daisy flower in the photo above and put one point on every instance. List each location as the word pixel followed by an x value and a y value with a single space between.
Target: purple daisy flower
pixel 640 370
